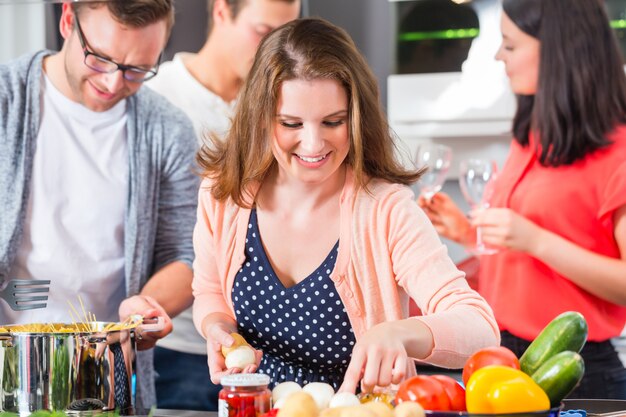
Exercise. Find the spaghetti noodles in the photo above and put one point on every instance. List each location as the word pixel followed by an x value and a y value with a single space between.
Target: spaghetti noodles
pixel 85 324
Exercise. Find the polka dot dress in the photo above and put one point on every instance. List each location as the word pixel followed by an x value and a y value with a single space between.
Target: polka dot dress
pixel 303 330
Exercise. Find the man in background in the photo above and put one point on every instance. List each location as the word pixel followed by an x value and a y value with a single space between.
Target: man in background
pixel 97 194
pixel 205 86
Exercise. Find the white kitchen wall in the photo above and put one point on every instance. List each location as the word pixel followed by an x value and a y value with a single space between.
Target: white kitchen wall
pixel 22 29
pixel 369 24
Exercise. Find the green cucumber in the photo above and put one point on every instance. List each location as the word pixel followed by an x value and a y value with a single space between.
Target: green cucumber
pixel 559 375
pixel 567 331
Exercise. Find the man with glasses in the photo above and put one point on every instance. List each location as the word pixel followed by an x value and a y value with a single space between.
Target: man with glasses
pixel 205 85
pixel 106 66
pixel 97 192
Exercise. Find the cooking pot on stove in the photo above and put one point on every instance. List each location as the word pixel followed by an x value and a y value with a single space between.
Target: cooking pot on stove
pixel 82 372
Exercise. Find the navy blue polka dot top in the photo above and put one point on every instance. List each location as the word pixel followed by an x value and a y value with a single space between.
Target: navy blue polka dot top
pixel 303 330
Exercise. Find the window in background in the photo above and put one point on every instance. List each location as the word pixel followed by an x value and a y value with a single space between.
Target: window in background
pixel 433 35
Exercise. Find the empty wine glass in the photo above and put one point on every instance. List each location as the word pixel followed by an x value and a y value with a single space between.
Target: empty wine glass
pixel 476 178
pixel 437 159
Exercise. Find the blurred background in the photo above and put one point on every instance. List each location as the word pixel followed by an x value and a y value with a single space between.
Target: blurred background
pixel 434 60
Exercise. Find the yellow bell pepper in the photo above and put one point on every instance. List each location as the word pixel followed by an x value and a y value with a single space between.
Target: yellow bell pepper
pixel 500 389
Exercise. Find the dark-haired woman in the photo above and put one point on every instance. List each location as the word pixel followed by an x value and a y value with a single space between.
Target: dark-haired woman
pixel 559 207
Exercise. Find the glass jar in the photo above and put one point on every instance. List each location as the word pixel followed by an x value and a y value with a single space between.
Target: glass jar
pixel 244 395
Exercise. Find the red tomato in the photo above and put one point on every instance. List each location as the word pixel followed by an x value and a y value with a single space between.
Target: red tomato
pixel 496 355
pixel 426 391
pixel 456 393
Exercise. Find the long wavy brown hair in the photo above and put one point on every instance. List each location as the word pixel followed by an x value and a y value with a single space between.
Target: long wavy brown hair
pixel 302 49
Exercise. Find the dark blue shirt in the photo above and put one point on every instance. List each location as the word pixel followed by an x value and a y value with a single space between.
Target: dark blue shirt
pixel 303 330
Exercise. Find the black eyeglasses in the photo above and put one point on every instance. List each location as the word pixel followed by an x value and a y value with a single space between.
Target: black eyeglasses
pixel 104 65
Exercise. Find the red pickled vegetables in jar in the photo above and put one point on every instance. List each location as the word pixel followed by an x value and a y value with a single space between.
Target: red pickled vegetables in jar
pixel 244 395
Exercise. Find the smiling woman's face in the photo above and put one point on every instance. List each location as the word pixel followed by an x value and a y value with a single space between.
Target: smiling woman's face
pixel 520 53
pixel 311 135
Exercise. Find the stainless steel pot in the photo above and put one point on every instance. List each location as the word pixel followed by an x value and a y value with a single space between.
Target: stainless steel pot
pixel 80 373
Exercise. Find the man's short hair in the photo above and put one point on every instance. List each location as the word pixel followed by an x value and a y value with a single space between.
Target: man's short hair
pixel 135 13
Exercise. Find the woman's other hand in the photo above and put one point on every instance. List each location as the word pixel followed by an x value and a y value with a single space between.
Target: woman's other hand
pixel 218 336
pixel 381 356
pixel 448 219
pixel 505 228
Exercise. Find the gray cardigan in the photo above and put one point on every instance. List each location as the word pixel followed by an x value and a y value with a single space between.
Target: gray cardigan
pixel 162 198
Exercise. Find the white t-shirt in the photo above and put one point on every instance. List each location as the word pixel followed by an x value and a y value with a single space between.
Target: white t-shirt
pixel 209 113
pixel 74 228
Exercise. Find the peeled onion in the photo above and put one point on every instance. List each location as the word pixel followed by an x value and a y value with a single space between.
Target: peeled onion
pixel 283 389
pixel 240 357
pixel 278 404
pixel 321 393
pixel 342 399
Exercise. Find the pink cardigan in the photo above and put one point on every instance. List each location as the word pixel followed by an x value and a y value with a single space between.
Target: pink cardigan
pixel 387 248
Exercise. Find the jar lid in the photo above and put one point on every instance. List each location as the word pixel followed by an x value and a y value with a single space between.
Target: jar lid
pixel 245 380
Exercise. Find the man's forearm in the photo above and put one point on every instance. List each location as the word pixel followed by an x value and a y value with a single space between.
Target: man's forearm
pixel 171 288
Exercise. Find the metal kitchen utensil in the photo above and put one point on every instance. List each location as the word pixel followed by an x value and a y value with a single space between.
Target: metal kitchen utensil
pixel 19 293
pixel 81 373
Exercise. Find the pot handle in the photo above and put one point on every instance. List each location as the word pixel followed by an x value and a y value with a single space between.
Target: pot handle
pixel 155 324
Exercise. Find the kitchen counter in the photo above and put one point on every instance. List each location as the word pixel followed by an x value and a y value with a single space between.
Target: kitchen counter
pixel 182 413
pixel 596 408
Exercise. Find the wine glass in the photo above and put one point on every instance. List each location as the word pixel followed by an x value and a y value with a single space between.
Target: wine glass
pixel 476 178
pixel 437 159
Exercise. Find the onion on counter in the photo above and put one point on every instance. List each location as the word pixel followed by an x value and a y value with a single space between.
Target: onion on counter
pixel 303 404
pixel 343 399
pixel 298 404
pixel 321 393
pixel 409 409
pixel 348 411
pixel 282 390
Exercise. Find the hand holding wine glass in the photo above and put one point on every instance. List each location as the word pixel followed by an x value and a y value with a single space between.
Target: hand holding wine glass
pixel 437 159
pixel 476 178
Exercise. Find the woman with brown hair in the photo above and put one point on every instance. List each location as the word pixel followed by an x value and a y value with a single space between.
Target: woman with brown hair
pixel 308 240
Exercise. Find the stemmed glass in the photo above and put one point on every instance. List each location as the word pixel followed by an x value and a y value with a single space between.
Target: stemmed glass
pixel 476 178
pixel 437 159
